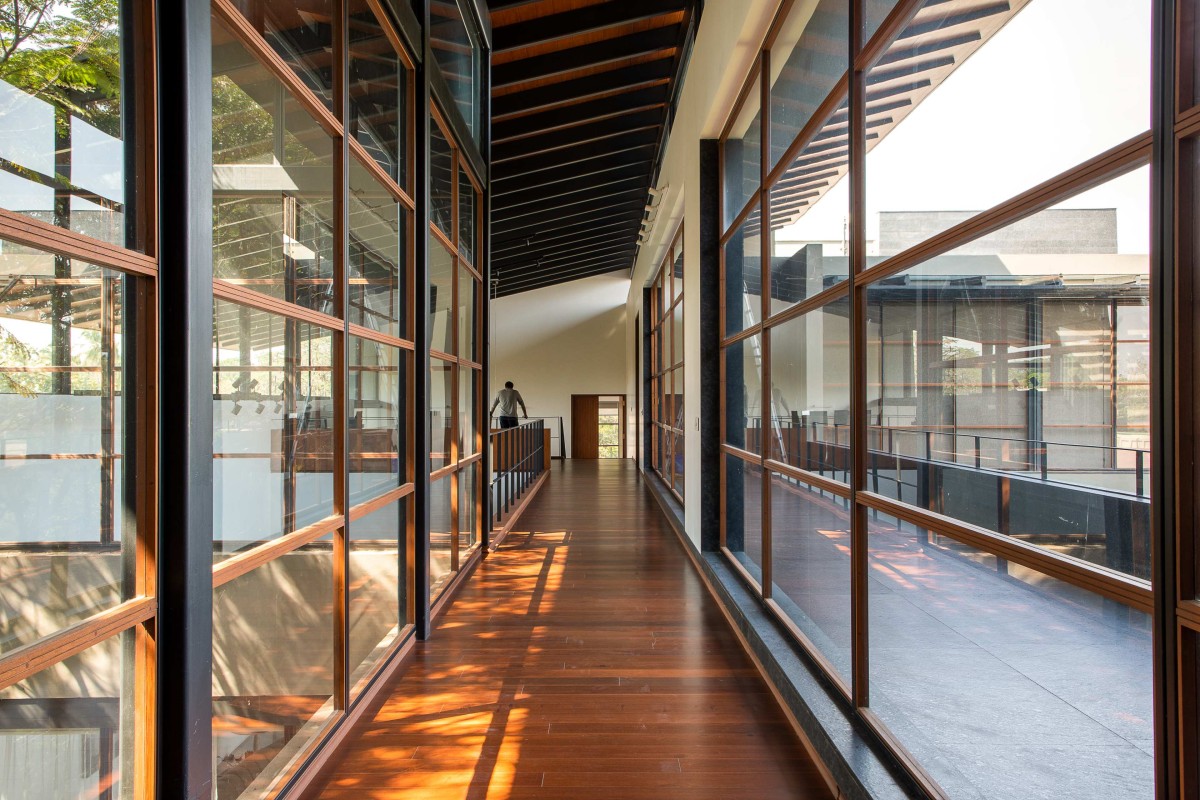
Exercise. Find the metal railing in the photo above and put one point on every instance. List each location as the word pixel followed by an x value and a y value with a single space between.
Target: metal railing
pixel 518 459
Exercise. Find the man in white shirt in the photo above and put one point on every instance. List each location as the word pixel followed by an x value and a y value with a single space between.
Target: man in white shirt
pixel 508 399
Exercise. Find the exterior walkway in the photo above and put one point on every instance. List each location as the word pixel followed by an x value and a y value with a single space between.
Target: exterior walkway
pixel 584 659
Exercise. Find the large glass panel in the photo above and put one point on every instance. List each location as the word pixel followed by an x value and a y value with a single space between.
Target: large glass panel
pixel 441 412
pixel 677 335
pixel 1004 682
pixel 468 215
pixel 743 513
pixel 63 733
pixel 875 12
pixel 441 298
pixel 810 558
pixel 272 678
pixel 272 426
pixel 676 270
pixel 743 276
pixel 377 410
pixel 810 218
pixel 468 312
pixel 458 57
pixel 377 583
pixel 272 183
pixel 468 517
pixel 378 93
pixel 468 412
pixel 1025 103
pixel 810 391
pixel 991 375
pixel 810 55
pixel 302 35
pixel 64 529
pixel 441 531
pixel 378 255
pixel 441 181
pixel 63 127
pixel 742 152
pixel 678 464
pixel 743 394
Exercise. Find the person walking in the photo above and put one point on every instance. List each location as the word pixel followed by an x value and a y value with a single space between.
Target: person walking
pixel 508 399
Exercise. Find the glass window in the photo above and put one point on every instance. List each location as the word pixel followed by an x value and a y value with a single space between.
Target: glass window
pixel 441 412
pixel 875 12
pixel 1037 681
pixel 468 214
pixel 64 132
pixel 65 533
pixel 992 374
pixel 301 35
pixel 743 276
pixel 810 391
pixel 743 394
pixel 65 734
pixel 377 583
pixel 441 298
pixel 742 154
pixel 441 181
pixel 810 55
pixel 272 184
pixel 377 409
pixel 743 513
pixel 441 531
pixel 810 548
pixel 468 312
pixel 272 426
pixel 378 93
pixel 1025 104
pixel 458 57
pixel 468 412
pixel 468 517
pixel 378 255
pixel 272 679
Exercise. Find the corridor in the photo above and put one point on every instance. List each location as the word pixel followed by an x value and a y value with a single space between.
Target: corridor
pixel 584 659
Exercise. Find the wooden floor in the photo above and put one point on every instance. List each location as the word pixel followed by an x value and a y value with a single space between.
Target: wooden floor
pixel 584 659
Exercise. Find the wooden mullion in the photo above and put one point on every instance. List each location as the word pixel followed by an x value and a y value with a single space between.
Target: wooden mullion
pixel 340 361
pixel 378 336
pixel 380 175
pixel 739 568
pixel 811 479
pixel 20 229
pixel 810 304
pixel 931 788
pixel 742 216
pixel 1099 580
pixel 743 95
pixel 1188 612
pixel 1104 167
pixel 253 41
pixel 442 237
pixel 1188 122
pixel 257 300
pixel 370 506
pixel 442 472
pixel 242 563
pixel 28 660
pixel 754 330
pixel 807 645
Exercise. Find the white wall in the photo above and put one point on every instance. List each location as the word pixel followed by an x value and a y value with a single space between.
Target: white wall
pixel 727 41
pixel 563 340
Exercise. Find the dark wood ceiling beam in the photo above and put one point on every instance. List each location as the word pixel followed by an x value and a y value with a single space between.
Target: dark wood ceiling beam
pixel 522 187
pixel 610 225
pixel 531 174
pixel 572 137
pixel 566 92
pixel 581 113
pixel 553 207
pixel 564 261
pixel 580 153
pixel 579 21
pixel 609 52
pixel 638 179
pixel 564 278
pixel 565 247
pixel 534 271
pixel 598 213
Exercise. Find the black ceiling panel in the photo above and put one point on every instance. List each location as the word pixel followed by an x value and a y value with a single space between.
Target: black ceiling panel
pixel 581 97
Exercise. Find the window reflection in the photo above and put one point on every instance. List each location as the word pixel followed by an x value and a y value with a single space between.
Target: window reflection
pixel 63 138
pixel 378 422
pixel 302 35
pixel 66 530
pixel 458 57
pixel 441 531
pixel 378 255
pixel 378 584
pixel 378 93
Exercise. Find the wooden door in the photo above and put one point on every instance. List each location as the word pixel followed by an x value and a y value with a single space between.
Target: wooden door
pixel 585 426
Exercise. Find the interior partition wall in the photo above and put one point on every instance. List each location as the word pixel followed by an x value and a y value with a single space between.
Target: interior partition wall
pixel 309 348
pixel 943 354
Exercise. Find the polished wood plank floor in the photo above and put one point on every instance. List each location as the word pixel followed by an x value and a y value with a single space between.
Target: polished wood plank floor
pixel 584 659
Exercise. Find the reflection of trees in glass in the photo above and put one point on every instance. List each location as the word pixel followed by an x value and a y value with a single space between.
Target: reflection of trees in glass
pixel 960 380
pixel 68 53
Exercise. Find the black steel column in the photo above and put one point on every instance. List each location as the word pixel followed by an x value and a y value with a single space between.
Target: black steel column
pixel 183 733
pixel 710 345
pixel 649 431
pixel 421 323
pixel 484 260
